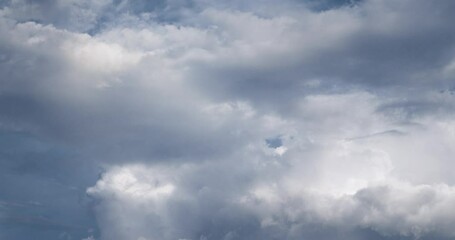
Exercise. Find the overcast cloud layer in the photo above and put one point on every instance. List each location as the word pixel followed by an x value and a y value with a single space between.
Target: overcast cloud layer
pixel 223 120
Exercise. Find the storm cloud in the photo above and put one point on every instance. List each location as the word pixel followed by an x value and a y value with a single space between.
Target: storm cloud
pixel 160 120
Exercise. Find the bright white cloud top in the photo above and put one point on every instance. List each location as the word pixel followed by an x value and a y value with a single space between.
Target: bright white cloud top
pixel 167 120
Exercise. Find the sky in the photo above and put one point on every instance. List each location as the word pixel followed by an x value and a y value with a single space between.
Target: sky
pixel 227 120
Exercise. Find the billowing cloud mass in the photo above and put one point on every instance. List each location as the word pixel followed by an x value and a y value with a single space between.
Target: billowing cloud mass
pixel 223 120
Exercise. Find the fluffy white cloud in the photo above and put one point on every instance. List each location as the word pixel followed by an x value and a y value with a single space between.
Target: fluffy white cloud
pixel 179 212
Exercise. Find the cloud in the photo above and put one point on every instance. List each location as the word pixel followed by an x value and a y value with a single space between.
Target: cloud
pixel 328 180
pixel 73 15
pixel 170 208
pixel 227 120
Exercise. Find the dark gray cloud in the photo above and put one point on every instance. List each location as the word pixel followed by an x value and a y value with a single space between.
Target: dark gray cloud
pixel 376 46
pixel 226 120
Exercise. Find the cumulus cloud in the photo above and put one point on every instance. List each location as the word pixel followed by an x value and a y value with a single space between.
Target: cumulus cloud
pixel 325 181
pixel 154 206
pixel 227 120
